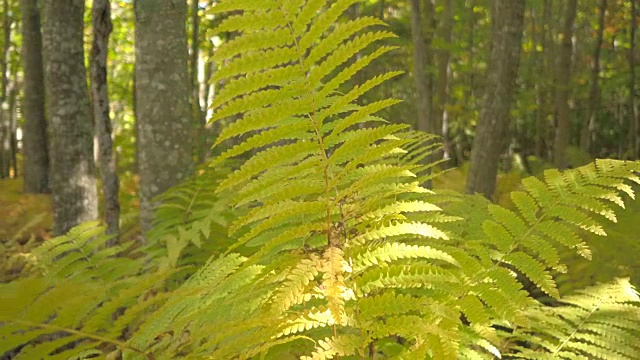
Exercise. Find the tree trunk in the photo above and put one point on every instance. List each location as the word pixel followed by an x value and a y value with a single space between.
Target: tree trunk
pixel 542 85
pixel 207 91
pixel 563 79
pixel 13 124
pixel 162 99
pixel 421 60
pixel 5 123
pixel 442 89
pixel 199 121
pixel 492 130
pixel 633 106
pixel 73 182
pixel 102 27
pixel 589 126
pixel 34 142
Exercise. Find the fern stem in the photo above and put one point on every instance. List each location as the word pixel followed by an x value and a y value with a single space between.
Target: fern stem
pixel 99 338
pixel 318 131
pixel 595 308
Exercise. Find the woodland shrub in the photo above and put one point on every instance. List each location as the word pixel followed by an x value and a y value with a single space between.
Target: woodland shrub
pixel 319 241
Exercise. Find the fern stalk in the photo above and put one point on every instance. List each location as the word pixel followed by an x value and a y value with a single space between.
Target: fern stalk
pixel 102 339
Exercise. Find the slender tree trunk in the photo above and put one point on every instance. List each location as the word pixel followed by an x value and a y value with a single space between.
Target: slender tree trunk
pixel 207 87
pixel 421 55
pixel 430 29
pixel 34 143
pixel 162 99
pixel 589 126
pixel 13 125
pixel 621 117
pixel 563 79
pixel 198 113
pixel 542 88
pixel 442 88
pixel 633 106
pixel 5 125
pixel 492 130
pixel 73 182
pixel 102 27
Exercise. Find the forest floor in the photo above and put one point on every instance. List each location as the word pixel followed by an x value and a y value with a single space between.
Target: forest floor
pixel 25 221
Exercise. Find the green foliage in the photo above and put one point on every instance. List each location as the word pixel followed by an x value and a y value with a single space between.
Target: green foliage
pixel 598 323
pixel 342 251
pixel 191 219
pixel 79 296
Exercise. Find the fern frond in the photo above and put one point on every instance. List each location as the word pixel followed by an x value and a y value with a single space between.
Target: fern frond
pixel 343 345
pixel 397 229
pixel 394 251
pixel 37 324
pixel 599 322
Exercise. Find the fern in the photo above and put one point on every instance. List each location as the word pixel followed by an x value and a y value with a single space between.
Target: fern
pixel 73 301
pixel 349 198
pixel 337 250
pixel 190 221
pixel 600 322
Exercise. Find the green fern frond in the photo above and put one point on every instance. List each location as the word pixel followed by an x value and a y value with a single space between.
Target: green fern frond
pixel 343 345
pixel 35 323
pixel 190 220
pixel 397 229
pixel 599 322
pixel 394 251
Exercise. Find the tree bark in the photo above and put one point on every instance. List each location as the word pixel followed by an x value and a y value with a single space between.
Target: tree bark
pixel 5 118
pixel 492 129
pixel 442 88
pixel 542 86
pixel 589 126
pixel 563 79
pixel 102 27
pixel 13 124
pixel 162 99
pixel 633 106
pixel 34 142
pixel 73 182
pixel 422 58
pixel 199 121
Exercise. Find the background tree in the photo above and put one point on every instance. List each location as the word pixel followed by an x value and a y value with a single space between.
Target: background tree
pixel 199 113
pixel 73 182
pixel 7 89
pixel 563 88
pixel 102 27
pixel 162 99
pixel 634 136
pixel 422 60
pixel 36 157
pixel 493 125
pixel 443 59
pixel 588 129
